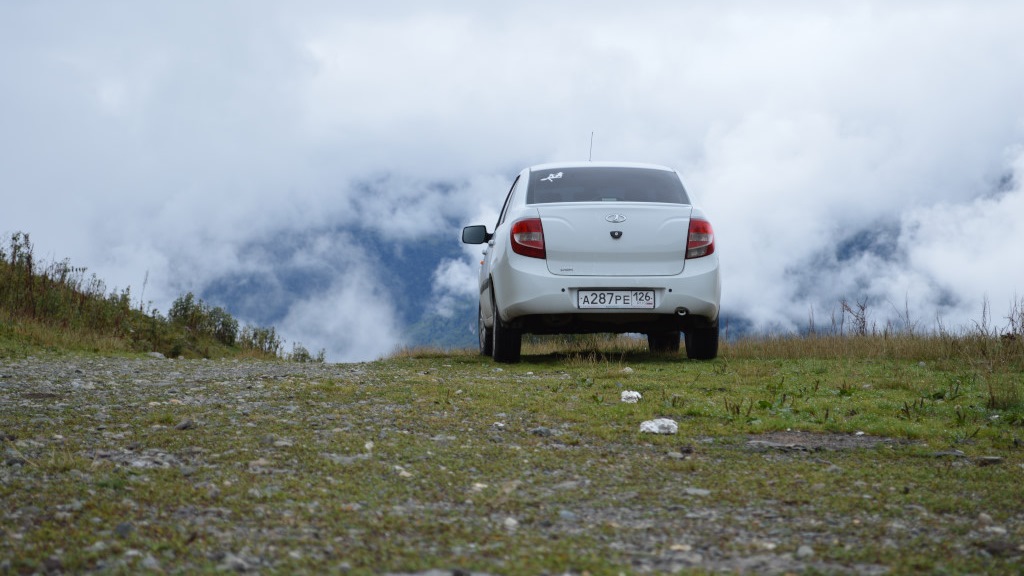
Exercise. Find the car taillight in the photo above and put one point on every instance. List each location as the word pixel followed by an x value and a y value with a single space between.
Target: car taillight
pixel 701 240
pixel 528 238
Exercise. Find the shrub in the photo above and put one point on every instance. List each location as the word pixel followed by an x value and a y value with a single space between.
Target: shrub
pixel 200 320
pixel 301 354
pixel 225 327
pixel 262 340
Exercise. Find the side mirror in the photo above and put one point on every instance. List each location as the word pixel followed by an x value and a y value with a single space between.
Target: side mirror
pixel 475 234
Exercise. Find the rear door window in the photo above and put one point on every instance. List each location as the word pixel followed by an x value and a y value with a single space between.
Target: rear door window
pixel 605 184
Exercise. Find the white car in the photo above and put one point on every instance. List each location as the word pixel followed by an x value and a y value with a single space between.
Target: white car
pixel 595 247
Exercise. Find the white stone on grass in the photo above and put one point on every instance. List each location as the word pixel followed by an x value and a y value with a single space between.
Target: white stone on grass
pixel 631 396
pixel 659 426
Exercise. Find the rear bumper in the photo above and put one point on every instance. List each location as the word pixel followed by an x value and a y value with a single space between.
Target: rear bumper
pixel 536 301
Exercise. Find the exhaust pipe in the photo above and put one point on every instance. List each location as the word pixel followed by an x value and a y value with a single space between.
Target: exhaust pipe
pixel 682 311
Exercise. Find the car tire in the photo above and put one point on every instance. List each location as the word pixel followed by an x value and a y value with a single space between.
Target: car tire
pixel 663 342
pixel 484 334
pixel 507 342
pixel 702 342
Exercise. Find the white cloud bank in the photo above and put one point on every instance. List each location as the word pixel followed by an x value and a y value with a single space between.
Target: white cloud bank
pixel 351 321
pixel 165 138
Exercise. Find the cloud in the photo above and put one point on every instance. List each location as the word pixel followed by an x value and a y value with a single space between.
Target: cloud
pixel 454 281
pixel 352 321
pixel 967 249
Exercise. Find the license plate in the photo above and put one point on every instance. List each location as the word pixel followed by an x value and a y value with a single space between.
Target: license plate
pixel 630 299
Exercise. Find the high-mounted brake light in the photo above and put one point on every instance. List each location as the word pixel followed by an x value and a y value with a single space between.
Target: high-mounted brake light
pixel 701 239
pixel 528 238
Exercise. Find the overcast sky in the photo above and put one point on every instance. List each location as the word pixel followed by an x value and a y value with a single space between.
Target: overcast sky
pixel 145 138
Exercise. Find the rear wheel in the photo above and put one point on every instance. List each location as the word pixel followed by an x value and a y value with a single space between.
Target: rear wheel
pixel 702 343
pixel 484 333
pixel 663 342
pixel 507 341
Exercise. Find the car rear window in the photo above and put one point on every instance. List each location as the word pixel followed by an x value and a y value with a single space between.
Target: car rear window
pixel 605 184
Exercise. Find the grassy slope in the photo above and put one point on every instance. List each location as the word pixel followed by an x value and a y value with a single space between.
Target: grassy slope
pixel 587 492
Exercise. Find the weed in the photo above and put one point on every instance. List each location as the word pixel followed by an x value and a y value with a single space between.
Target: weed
pixel 115 481
pixel 63 460
pixel 1004 394
pixel 807 391
pixel 734 409
pixel 953 384
pixel 963 437
pixel 446 397
pixel 961 418
pixel 676 401
pixel 858 314
pixel 911 410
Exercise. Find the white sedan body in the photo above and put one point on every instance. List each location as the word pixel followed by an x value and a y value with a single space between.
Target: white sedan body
pixel 598 247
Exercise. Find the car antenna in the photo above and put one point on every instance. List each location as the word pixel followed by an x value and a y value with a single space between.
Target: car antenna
pixel 591 157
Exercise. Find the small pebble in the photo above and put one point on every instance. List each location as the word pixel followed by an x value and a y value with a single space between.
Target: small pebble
pixel 150 563
pixel 124 530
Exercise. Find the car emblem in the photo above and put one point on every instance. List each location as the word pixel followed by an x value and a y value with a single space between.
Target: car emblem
pixel 615 218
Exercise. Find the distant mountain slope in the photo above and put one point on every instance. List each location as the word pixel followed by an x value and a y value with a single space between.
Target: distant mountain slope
pixel 288 268
pixel 455 331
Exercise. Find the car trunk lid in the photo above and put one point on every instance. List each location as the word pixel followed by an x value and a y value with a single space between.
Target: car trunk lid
pixel 615 238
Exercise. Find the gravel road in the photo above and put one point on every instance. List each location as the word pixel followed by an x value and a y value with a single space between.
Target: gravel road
pixel 83 402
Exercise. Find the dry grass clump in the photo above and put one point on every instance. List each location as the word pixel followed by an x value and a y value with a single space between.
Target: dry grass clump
pixel 895 347
pixel 853 335
pixel 424 352
pixel 585 345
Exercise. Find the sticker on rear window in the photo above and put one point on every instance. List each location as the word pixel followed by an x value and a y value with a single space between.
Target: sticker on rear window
pixel 551 177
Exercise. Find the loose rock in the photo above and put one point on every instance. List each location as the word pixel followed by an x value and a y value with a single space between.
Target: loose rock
pixel 660 426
